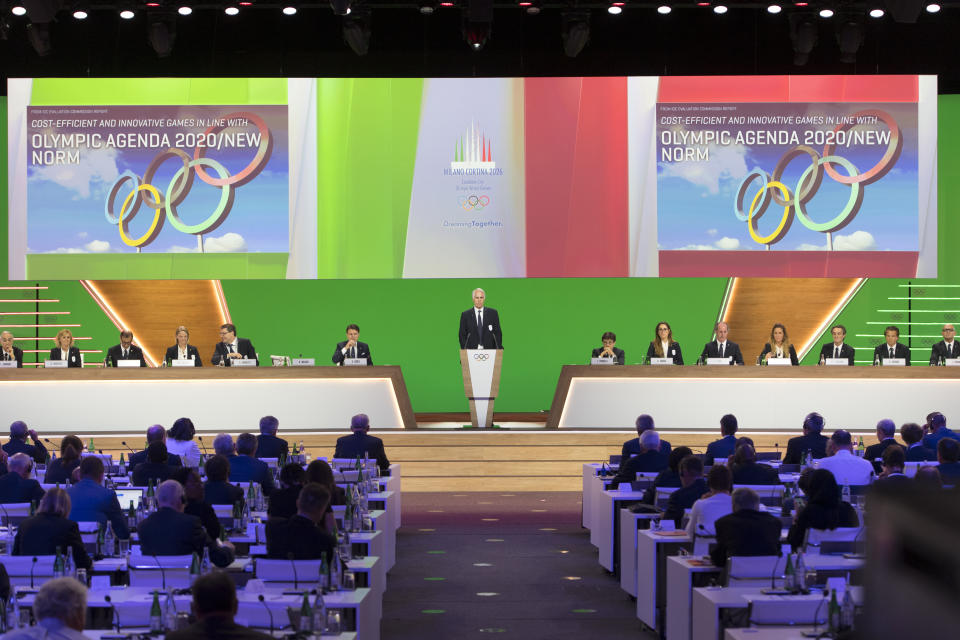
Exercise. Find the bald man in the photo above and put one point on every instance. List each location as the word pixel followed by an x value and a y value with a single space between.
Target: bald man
pixel 721 347
pixel 9 352
pixel 946 348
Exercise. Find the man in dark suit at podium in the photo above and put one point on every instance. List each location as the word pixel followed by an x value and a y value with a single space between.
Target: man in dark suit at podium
pixel 352 348
pixel 721 347
pixel 480 326
pixel 838 349
pixel 8 351
pixel 943 350
pixel 231 347
pixel 126 350
pixel 360 442
pixel 891 348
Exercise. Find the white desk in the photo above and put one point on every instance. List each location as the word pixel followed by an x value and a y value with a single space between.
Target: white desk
pixel 608 512
pixel 680 572
pixel 629 530
pixel 767 633
pixel 652 547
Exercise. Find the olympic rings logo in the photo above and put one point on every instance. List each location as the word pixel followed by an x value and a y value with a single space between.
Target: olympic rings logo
pixel 481 356
pixel 794 202
pixel 473 203
pixel 143 192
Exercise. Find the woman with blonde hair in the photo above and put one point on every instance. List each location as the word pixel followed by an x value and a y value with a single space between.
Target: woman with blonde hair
pixel 65 350
pixel 42 534
pixel 183 350
pixel 663 345
pixel 779 346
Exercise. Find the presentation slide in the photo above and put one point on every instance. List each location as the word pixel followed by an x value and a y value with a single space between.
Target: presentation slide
pixel 804 176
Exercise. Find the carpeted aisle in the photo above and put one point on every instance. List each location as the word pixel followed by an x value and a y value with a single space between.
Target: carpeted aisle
pixel 480 565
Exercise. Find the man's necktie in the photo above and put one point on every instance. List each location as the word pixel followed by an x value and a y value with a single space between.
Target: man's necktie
pixel 721 350
pixel 891 352
pixel 480 326
pixel 230 348
pixel 353 352
pixel 836 352
pixel 124 354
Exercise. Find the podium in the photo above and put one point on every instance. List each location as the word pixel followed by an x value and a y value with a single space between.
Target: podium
pixel 481 382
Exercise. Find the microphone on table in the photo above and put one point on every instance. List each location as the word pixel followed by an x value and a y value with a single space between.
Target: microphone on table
pixel 263 601
pixel 116 614
pixel 128 447
pixel 816 617
pixel 33 565
pixel 493 333
pixel 200 439
pixel 163 573
pixel 5 515
pixel 296 583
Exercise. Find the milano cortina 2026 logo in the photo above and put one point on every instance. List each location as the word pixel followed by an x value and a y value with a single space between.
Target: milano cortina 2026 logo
pixel 472 162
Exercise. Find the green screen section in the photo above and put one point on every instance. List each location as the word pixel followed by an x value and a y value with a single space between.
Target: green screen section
pixel 158 91
pixel 4 271
pixel 414 323
pixel 367 131
pixel 882 301
pixel 158 266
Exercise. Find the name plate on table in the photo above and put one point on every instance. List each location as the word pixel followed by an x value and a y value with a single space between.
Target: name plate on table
pixel 836 362
pixel 354 362
pixel 725 361
pixel 8 364
pixel 181 363
pixel 602 361
pixel 952 362
pixel 128 363
pixel 779 362
pixel 894 362
pixel 54 364
pixel 244 362
pixel 661 361
pixel 302 362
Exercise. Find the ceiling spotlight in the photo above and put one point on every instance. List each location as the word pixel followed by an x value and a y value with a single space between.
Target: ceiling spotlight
pixel 80 14
pixel 826 13
pixel 720 9
pixel 289 10
pixel 574 31
pixel 127 14
pixel 933 7
pixel 18 10
pixel 231 11
pixel 532 7
pixel 849 34
pixel 356 30
pixel 340 7
pixel 803 37
pixel 427 7
pixel 876 13
pixel 39 36
pixel 703 4
pixel 774 8
pixel 615 8
pixel 801 4
pixel 664 9
pixel 185 10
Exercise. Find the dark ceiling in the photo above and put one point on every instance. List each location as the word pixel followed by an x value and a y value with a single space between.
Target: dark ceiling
pixel 261 41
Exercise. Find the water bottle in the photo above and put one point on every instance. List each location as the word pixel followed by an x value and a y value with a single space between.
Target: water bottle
pixel 13 611
pixel 170 613
pixel 800 572
pixel 156 615
pixel 847 610
pixel 319 614
pixel 845 493
pixel 109 542
pixel 58 564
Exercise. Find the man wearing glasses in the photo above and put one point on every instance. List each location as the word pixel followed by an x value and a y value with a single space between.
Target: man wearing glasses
pixel 946 348
pixel 231 347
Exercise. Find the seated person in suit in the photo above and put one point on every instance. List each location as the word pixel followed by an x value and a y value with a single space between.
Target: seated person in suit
pixel 712 505
pixel 669 477
pixel 59 470
pixel 948 454
pixel 609 349
pixel 301 537
pixel 746 469
pixel 155 469
pixel 126 350
pixel 283 501
pixel 632 447
pixel 170 532
pixel 60 609
pixel 42 534
pixel 362 444
pixel 214 607
pixel 692 488
pixel 66 351
pixel 352 347
pixel 320 472
pixel 217 490
pixel 18 442
pixel 181 444
pixel 194 494
pixel 912 436
pixel 892 468
pixel 268 444
pixel 726 445
pixel 663 345
pixel 837 349
pixel 937 426
pixel 8 351
pixel 91 502
pixel 721 347
pixel 779 346
pixel 947 348
pixel 891 348
pixel 846 468
pixel 245 467
pixel 649 460
pixel 811 440
pixel 824 509
pixel 155 433
pixel 747 531
pixel 886 432
pixel 17 485
pixel 231 347
pixel 183 350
